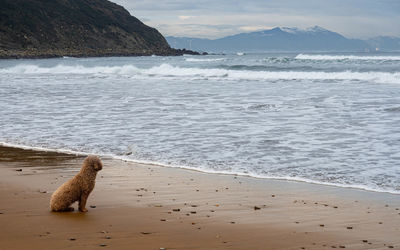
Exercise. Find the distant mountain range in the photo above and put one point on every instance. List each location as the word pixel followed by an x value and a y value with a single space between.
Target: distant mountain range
pixel 286 39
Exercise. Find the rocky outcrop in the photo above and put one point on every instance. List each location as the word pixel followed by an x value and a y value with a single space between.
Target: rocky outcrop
pixel 44 28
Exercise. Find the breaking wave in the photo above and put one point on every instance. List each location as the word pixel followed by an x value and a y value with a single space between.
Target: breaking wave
pixel 346 57
pixel 168 71
pixel 204 59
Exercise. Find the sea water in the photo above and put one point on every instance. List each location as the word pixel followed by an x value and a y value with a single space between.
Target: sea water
pixel 324 118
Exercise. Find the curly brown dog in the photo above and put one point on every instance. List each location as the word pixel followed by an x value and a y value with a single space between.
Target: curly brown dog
pixel 78 188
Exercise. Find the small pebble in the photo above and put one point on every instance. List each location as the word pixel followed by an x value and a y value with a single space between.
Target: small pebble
pixel 390 246
pixel 176 210
pixel 256 208
pixel 342 246
pixel 108 237
pixel 193 212
pixel 92 206
pixel 321 225
pixel 145 232
pixel 72 239
pixel 349 227
pixel 19 170
pixel 163 220
pixel 365 241
pixel 103 245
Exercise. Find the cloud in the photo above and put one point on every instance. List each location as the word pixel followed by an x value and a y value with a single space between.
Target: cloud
pixel 254 28
pixel 184 17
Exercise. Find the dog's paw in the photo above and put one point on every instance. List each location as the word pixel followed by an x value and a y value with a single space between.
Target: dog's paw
pixel 83 210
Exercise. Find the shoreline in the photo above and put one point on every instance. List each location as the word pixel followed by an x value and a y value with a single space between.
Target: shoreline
pixel 36 54
pixel 139 206
pixel 158 164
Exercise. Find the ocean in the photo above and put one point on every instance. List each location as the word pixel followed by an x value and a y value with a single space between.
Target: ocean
pixel 325 118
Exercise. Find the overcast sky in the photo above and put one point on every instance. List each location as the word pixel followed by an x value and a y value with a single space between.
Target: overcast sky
pixel 218 18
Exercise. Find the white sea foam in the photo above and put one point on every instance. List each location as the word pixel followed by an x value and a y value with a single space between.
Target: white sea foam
pixel 167 70
pixel 200 115
pixel 66 69
pixel 204 59
pixel 202 169
pixel 345 57
pixel 64 151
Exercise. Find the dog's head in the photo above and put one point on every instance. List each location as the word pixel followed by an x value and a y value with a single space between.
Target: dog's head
pixel 93 162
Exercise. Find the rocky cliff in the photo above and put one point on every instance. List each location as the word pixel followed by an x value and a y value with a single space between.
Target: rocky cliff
pixel 52 28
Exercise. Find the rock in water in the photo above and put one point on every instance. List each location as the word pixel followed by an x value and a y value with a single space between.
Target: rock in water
pixel 79 28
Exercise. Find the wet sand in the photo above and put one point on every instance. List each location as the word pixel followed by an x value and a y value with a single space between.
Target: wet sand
pixel 137 206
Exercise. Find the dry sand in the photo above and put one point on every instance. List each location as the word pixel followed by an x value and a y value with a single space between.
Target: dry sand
pixel 137 206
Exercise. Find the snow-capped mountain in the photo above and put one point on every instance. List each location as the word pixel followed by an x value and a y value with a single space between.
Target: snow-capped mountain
pixel 277 39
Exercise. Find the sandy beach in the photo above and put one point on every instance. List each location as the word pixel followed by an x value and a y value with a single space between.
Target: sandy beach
pixel 137 206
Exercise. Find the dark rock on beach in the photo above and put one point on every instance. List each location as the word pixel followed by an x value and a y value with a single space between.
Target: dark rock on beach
pixel 76 28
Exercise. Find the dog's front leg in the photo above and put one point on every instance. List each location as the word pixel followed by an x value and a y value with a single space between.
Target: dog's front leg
pixel 82 202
